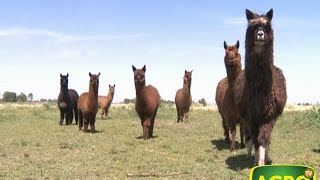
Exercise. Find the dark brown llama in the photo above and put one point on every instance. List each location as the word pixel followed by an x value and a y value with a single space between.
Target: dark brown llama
pixel 88 105
pixel 183 98
pixel 147 101
pixel 225 94
pixel 105 102
pixel 261 89
pixel 67 101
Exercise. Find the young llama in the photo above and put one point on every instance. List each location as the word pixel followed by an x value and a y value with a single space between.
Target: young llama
pixel 225 94
pixel 261 90
pixel 88 105
pixel 105 102
pixel 183 98
pixel 147 101
pixel 67 101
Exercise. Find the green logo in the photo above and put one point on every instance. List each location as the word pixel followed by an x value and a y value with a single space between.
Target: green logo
pixel 282 172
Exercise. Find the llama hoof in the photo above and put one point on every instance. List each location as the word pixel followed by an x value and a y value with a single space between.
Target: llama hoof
pixel 268 161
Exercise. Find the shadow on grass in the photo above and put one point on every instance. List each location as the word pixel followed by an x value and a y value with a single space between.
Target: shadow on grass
pixel 221 144
pixel 239 162
pixel 316 150
pixel 153 137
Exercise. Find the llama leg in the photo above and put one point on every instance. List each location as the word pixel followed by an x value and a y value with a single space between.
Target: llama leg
pixel 186 116
pixel 92 127
pixel 146 129
pixel 262 154
pixel 226 130
pixel 80 120
pixel 249 145
pixel 102 113
pixel 264 141
pixel 61 117
pixel 92 122
pixel 85 125
pixel 178 119
pixel 267 158
pixel 75 110
pixel 151 127
pixel 241 135
pixel 71 116
pixel 107 113
pixel 233 138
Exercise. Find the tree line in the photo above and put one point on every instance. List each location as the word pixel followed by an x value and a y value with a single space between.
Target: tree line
pixel 8 96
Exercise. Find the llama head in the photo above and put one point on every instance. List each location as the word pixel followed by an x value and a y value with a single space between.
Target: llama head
pixel 94 80
pixel 111 88
pixel 187 76
pixel 139 75
pixel 232 56
pixel 64 80
pixel 259 31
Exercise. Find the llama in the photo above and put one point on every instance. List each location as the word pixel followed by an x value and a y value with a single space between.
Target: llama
pixel 261 88
pixel 67 101
pixel 88 105
pixel 183 98
pixel 147 101
pixel 225 94
pixel 105 101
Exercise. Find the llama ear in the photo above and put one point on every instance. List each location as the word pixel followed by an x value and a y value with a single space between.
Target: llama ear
pixel 98 74
pixel 134 68
pixel 238 44
pixel 270 14
pixel 191 71
pixel 185 71
pixel 109 86
pixel 225 45
pixel 114 85
pixel 90 74
pixel 67 74
pixel 250 15
pixel 60 75
pixel 144 68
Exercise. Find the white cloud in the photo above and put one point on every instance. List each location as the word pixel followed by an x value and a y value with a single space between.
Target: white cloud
pixel 64 38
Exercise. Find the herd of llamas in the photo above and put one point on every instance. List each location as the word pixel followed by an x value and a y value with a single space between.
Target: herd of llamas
pixel 253 97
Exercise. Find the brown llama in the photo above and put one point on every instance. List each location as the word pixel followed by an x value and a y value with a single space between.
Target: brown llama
pixel 261 89
pixel 225 94
pixel 67 101
pixel 88 105
pixel 183 98
pixel 147 101
pixel 105 102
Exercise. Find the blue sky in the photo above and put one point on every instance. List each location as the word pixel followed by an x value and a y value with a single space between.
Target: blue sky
pixel 41 39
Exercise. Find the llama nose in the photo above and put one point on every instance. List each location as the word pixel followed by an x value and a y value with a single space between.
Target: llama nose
pixel 260 33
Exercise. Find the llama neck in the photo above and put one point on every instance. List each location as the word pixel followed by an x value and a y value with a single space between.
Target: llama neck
pixel 93 90
pixel 232 73
pixel 64 90
pixel 110 94
pixel 186 87
pixel 139 88
pixel 258 70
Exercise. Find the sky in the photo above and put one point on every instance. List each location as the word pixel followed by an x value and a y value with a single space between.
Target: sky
pixel 41 39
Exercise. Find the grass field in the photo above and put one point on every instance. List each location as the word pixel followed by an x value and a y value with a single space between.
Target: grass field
pixel 34 146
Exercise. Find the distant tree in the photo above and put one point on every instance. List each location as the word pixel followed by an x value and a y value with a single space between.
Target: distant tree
pixel 9 96
pixel 203 102
pixel 30 96
pixel 128 101
pixel 21 98
pixel 43 100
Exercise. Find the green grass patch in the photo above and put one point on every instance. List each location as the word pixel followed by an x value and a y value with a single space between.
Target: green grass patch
pixel 34 146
